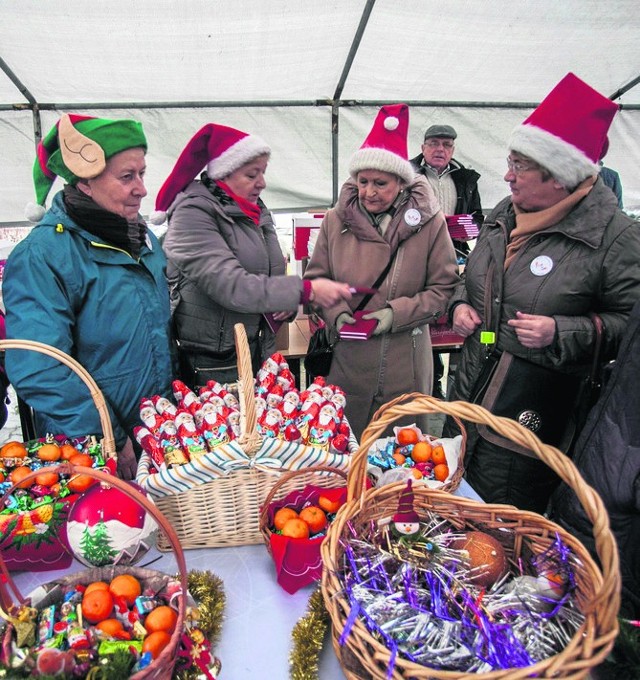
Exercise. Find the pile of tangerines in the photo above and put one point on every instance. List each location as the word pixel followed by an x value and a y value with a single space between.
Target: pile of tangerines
pixel 311 521
pixel 425 459
pixel 18 460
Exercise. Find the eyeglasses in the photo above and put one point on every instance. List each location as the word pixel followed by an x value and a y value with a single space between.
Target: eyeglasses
pixel 519 168
pixel 435 143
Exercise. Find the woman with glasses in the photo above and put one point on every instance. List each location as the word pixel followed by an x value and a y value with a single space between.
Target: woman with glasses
pixel 550 255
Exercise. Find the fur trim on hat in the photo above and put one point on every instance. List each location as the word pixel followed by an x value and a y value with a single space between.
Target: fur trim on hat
pixel 34 212
pixel 565 162
pixel 370 158
pixel 158 217
pixel 243 151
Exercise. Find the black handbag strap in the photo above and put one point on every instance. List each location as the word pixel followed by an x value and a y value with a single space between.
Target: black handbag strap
pixel 378 282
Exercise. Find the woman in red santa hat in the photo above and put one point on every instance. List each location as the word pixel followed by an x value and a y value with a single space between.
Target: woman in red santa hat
pixel 225 265
pixel 387 219
pixel 549 255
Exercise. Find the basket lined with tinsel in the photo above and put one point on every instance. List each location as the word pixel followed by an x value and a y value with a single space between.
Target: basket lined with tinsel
pixel 35 628
pixel 418 622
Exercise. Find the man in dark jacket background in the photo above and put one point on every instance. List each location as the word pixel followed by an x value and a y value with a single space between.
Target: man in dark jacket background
pixel 457 190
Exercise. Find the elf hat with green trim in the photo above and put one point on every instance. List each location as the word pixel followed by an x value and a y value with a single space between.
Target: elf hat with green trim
pixel 77 147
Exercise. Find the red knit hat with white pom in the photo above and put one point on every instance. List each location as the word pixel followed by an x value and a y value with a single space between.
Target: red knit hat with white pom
pixel 567 131
pixel 386 146
pixel 220 148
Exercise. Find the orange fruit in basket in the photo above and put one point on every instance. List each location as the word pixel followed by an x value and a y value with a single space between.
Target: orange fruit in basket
pixel 13 449
pixel 127 587
pixel 437 455
pixel 421 452
pixel 416 473
pixel 399 457
pixel 49 452
pixel 80 483
pixel 96 585
pixel 329 505
pixel 97 605
pixel 110 627
pixel 441 472
pixel 407 435
pixel 296 528
pixel 47 478
pixel 161 618
pixel 314 517
pixel 83 459
pixel 156 642
pixel 282 516
pixel 18 474
pixel 67 451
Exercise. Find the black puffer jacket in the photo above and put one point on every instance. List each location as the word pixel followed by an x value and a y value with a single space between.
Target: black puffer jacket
pixel 608 457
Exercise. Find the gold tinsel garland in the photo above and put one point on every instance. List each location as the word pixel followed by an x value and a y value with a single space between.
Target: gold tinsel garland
pixel 308 638
pixel 208 591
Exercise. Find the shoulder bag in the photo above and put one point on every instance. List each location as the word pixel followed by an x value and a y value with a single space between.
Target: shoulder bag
pixel 320 350
pixel 546 401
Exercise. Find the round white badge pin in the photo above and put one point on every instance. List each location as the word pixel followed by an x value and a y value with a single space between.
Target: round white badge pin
pixel 541 265
pixel 412 217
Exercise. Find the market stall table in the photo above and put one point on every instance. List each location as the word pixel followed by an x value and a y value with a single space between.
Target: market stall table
pixel 259 615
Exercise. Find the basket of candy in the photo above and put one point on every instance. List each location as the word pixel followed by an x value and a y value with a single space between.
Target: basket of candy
pixel 425 584
pixel 210 460
pixel 294 520
pixel 437 462
pixel 33 533
pixel 122 621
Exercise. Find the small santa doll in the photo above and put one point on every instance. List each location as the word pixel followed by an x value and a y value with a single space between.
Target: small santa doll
pixel 310 407
pixel 339 400
pixel 322 429
pixel 274 397
pixel 270 423
pixel 289 406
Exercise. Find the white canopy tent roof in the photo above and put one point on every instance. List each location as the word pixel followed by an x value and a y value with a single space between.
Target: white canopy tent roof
pixel 308 77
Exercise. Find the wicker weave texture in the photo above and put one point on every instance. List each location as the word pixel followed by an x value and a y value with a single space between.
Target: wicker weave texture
pixel 598 587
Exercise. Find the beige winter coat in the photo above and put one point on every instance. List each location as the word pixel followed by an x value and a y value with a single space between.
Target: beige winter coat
pixel 417 288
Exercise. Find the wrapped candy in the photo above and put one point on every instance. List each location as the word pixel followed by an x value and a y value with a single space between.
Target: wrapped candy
pixel 285 379
pixel 270 422
pixel 191 440
pixel 150 417
pixel 170 442
pixel 310 407
pixel 322 428
pixel 233 421
pixel 163 406
pixel 269 367
pixel 185 397
pixel 150 444
pixel 290 405
pixel 215 430
pixel 275 397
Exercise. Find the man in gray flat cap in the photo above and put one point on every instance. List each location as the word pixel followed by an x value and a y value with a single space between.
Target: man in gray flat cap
pixel 456 188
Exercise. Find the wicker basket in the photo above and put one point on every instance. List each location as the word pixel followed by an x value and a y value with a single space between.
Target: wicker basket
pixel 225 511
pixel 49 549
pixel 598 588
pixel 456 477
pixel 162 667
pixel 108 442
pixel 320 475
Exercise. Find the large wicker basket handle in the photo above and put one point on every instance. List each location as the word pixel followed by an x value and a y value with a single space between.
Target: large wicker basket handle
pixel 416 403
pixel 249 439
pixel 108 442
pixel 9 593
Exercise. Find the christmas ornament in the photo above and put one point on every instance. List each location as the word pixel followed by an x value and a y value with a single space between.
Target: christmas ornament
pixel 485 557
pixel 107 527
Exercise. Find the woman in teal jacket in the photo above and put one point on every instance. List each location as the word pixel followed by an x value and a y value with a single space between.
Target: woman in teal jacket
pixel 90 280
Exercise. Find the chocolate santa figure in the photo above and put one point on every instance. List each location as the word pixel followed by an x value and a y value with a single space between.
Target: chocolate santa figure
pixel 286 379
pixel 274 397
pixel 290 406
pixel 150 417
pixel 190 438
pixel 310 407
pixel 233 421
pixel 339 400
pixel 270 423
pixel 269 367
pixel 322 429
pixel 406 523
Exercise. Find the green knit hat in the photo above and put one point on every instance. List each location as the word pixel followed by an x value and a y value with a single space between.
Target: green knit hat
pixel 87 143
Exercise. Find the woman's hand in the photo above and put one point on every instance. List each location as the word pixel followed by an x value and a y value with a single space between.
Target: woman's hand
pixel 465 320
pixel 327 293
pixel 534 331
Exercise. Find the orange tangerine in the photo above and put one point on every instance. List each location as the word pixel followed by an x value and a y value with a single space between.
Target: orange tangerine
pixel 400 458
pixel 296 528
pixel 47 478
pixel 407 435
pixel 441 472
pixel 67 451
pixel 127 587
pixel 13 449
pixel 282 516
pixel 421 452
pixel 110 626
pixel 156 642
pixel 18 474
pixel 161 618
pixel 83 459
pixel 437 455
pixel 49 452
pixel 97 605
pixel 96 585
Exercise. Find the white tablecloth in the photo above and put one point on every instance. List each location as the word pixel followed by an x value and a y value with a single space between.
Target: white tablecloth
pixel 259 616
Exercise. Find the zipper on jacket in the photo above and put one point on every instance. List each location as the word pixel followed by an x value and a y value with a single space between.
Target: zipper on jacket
pixel 107 247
